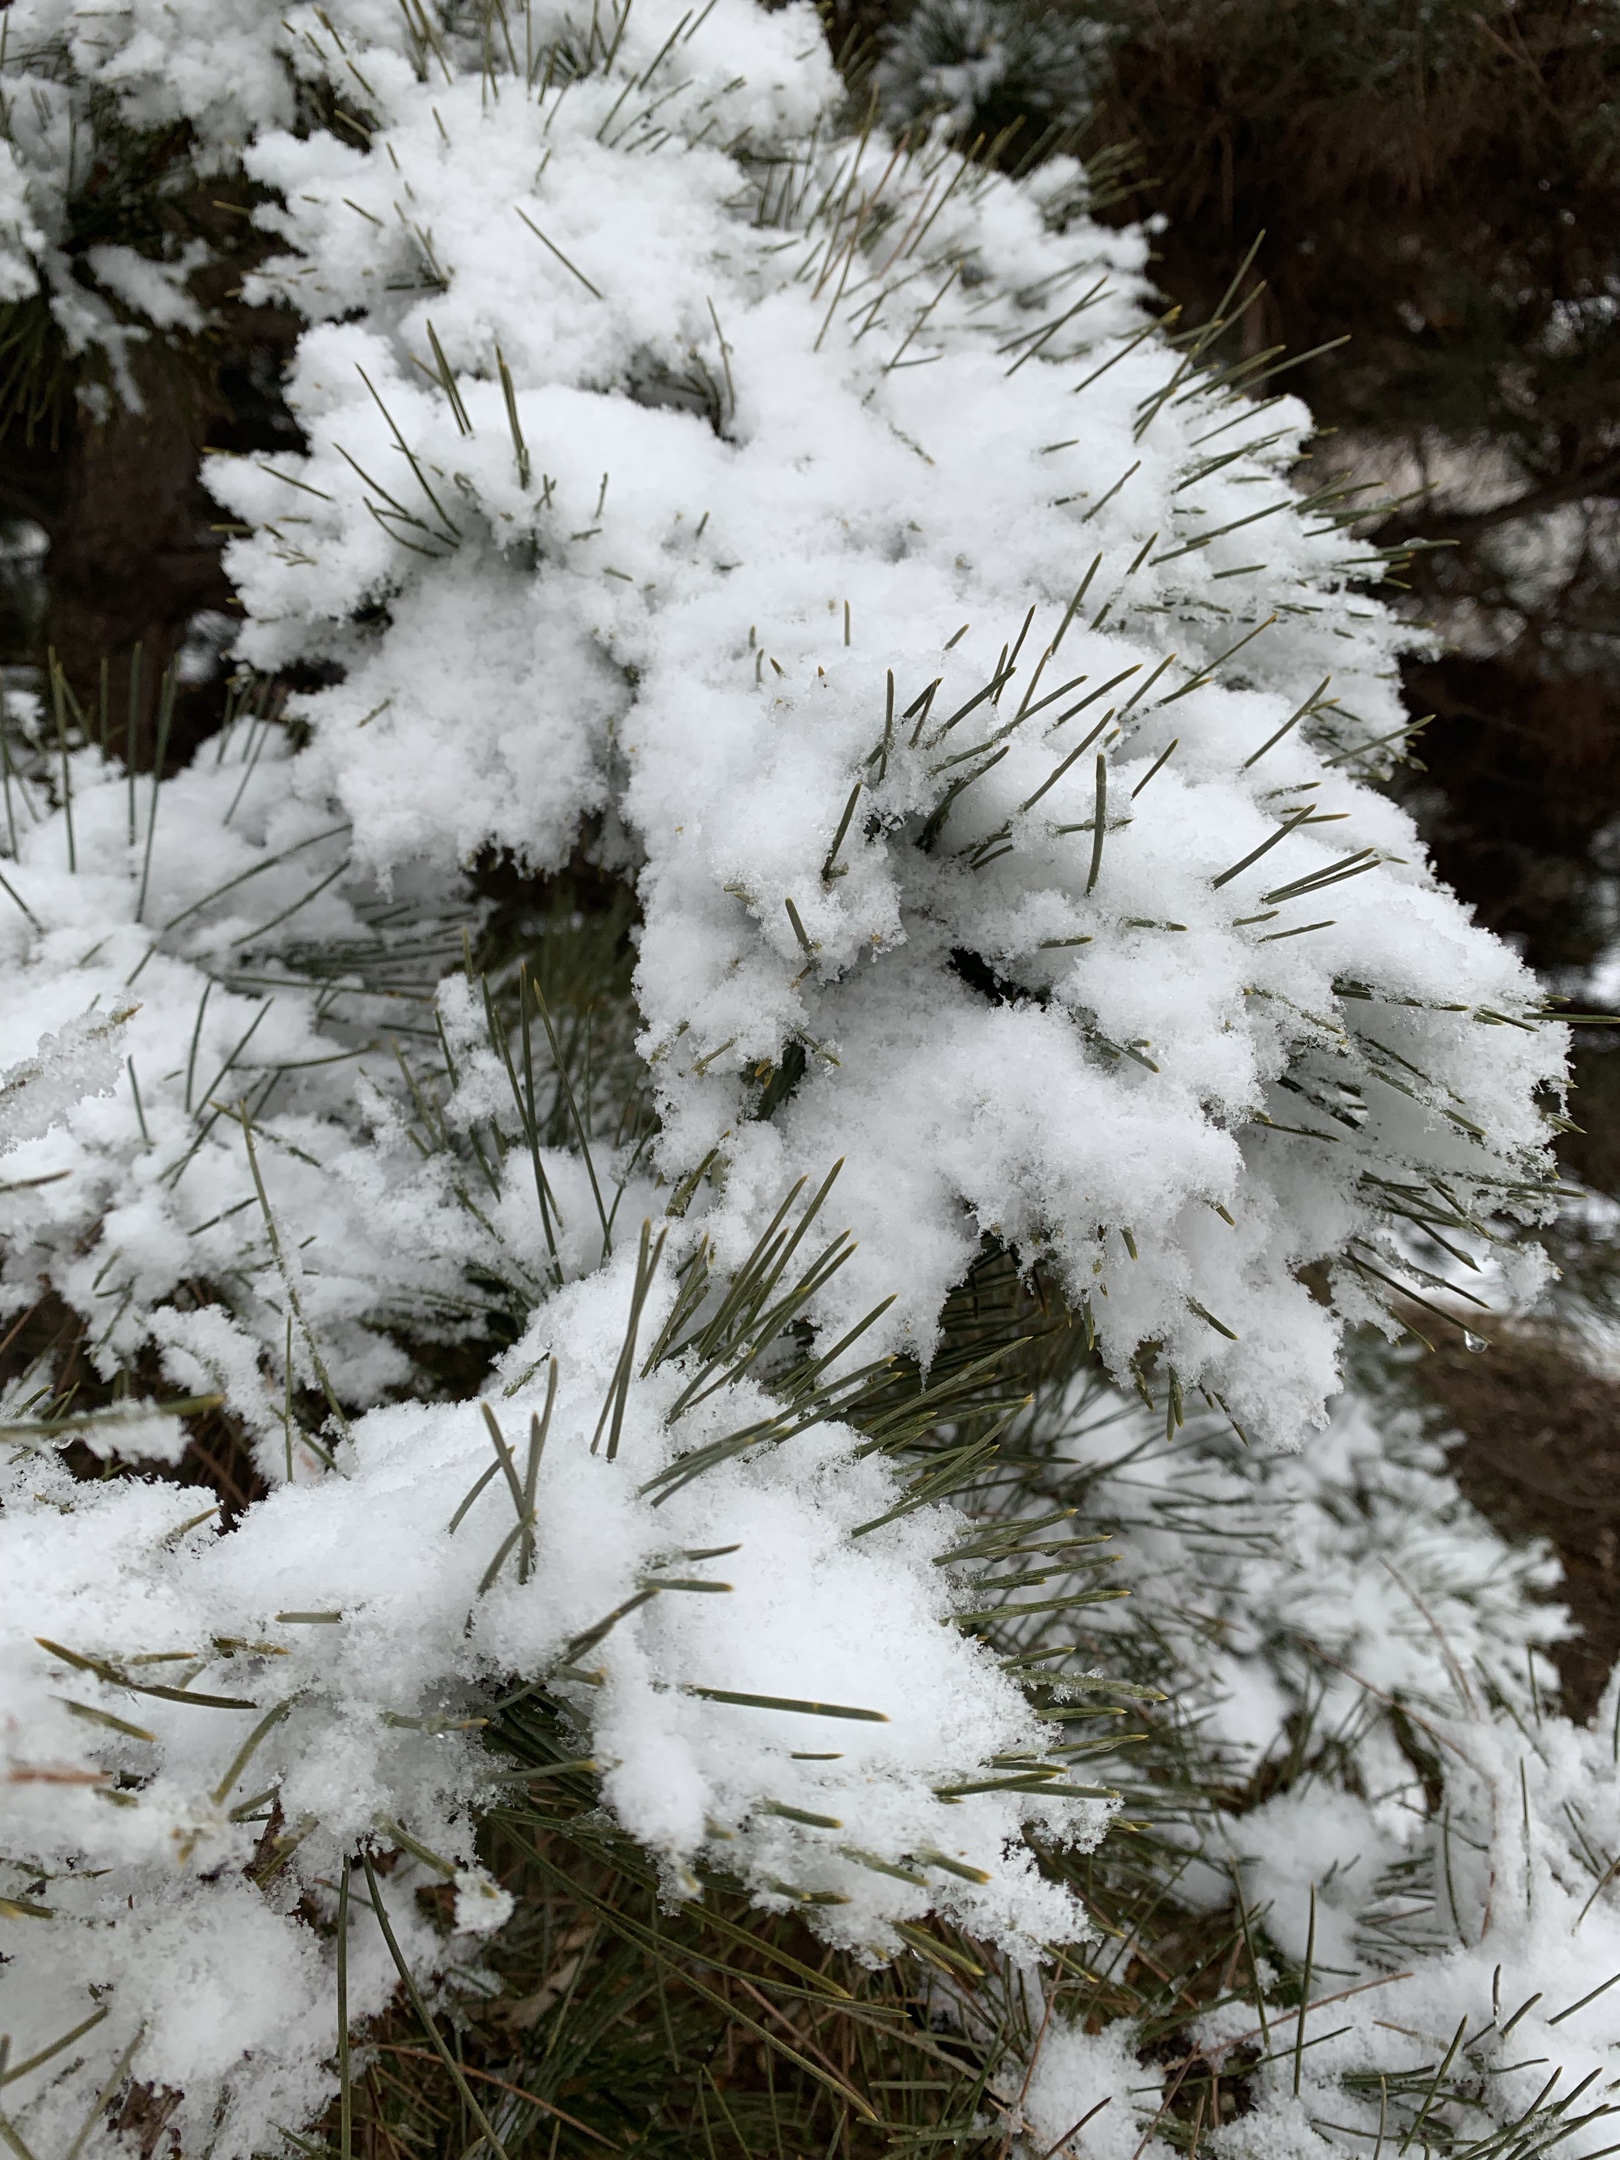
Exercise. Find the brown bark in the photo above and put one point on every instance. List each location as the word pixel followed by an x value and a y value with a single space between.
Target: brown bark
pixel 134 537
pixel 131 558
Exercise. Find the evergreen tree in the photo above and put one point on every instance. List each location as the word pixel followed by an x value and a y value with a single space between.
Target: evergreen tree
pixel 693 1340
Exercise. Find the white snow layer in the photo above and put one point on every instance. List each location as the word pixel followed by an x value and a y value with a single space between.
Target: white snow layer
pixel 819 530
pixel 765 550
pixel 1346 1612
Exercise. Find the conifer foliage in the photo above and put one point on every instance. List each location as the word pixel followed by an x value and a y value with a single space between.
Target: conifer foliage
pixel 689 1401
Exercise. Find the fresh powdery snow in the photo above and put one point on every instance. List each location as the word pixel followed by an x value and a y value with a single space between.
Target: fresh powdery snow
pixel 821 533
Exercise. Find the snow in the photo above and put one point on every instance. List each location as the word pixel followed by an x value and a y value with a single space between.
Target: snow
pixel 820 533
pixel 1336 1588
pixel 671 600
